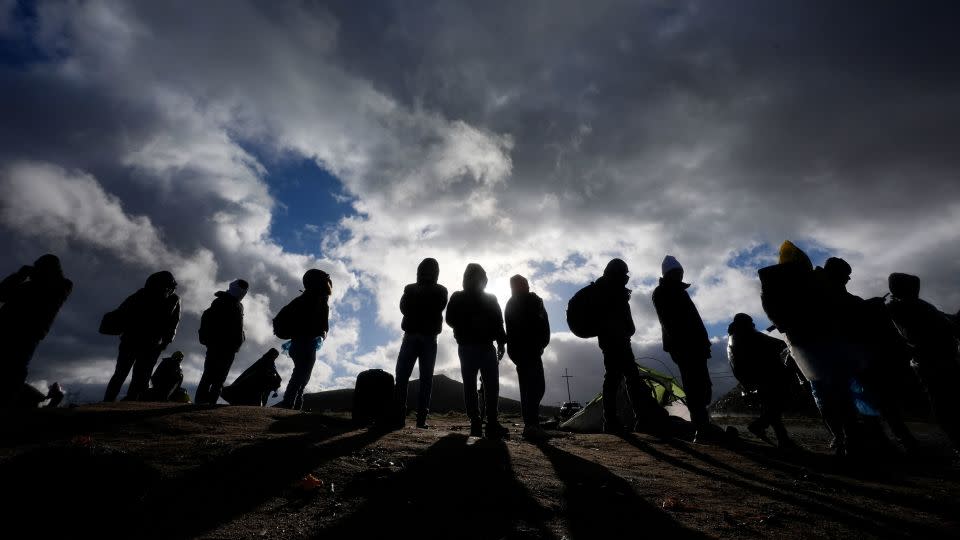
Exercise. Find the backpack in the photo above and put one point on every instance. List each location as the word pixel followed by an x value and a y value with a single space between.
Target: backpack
pixel 205 323
pixel 113 323
pixel 373 399
pixel 283 323
pixel 582 312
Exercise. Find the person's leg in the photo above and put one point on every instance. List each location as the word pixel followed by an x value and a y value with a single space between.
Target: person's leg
pixel 146 360
pixel 203 387
pixel 696 385
pixel 304 356
pixel 490 373
pixel 406 358
pixel 13 368
pixel 428 359
pixel 220 373
pixel 469 368
pixel 648 414
pixel 612 379
pixel 125 358
pixel 523 380
pixel 536 388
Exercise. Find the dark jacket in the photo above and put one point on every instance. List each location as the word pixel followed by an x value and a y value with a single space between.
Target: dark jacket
pixel 422 303
pixel 31 303
pixel 887 350
pixel 756 359
pixel 613 303
pixel 308 314
pixel 149 318
pixel 928 331
pixel 221 325
pixel 528 328
pixel 476 318
pixel 801 303
pixel 684 334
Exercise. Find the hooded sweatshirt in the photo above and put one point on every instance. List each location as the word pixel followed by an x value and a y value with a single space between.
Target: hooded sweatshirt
pixel 221 325
pixel 152 314
pixel 925 327
pixel 423 302
pixel 528 328
pixel 474 315
pixel 32 297
pixel 683 331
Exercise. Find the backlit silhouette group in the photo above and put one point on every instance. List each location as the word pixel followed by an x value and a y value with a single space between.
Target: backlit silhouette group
pixel 852 353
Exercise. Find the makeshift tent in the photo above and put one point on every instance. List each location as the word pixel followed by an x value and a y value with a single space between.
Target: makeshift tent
pixel 664 388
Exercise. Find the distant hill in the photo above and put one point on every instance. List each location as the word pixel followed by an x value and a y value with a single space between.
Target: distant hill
pixel 447 395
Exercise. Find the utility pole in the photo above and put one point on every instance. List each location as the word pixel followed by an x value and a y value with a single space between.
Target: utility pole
pixel 566 375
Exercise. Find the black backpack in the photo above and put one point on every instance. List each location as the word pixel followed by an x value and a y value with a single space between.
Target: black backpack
pixel 373 399
pixel 283 323
pixel 582 316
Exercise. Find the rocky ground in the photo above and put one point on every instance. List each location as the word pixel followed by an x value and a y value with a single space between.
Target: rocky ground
pixel 180 471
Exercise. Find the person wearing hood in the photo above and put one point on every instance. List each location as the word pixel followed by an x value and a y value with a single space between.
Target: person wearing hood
pixel 146 323
pixel 685 338
pixel 167 378
pixel 31 298
pixel 756 360
pixel 221 331
pixel 930 335
pixel 801 303
pixel 305 321
pixel 528 333
pixel 477 323
pixel 422 306
pixel 615 329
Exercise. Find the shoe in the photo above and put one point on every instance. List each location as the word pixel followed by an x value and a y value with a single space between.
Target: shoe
pixel 422 424
pixel 476 428
pixel 495 431
pixel 534 434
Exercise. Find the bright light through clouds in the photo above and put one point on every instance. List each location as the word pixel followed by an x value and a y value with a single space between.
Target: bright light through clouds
pixel 543 139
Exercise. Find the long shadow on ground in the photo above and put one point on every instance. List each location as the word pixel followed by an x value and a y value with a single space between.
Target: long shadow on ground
pixel 599 504
pixel 451 490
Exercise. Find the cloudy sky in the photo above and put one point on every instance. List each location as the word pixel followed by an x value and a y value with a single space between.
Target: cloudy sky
pixel 259 139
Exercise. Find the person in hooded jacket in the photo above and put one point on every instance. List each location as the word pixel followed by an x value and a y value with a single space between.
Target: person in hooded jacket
pixel 309 321
pixel 685 338
pixel 422 307
pixel 528 333
pixel 798 301
pixel 934 347
pixel 31 298
pixel 477 323
pixel 616 327
pixel 756 360
pixel 148 320
pixel 221 331
pixel 167 378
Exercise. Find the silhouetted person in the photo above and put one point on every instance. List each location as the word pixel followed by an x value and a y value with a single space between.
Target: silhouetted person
pixel 881 356
pixel 756 360
pixel 305 321
pixel 685 338
pixel 797 300
pixel 930 334
pixel 254 385
pixel 146 322
pixel 31 298
pixel 528 333
pixel 477 322
pixel 167 378
pixel 55 394
pixel 422 307
pixel 615 330
pixel 221 330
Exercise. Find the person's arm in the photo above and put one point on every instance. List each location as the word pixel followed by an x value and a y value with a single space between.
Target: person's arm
pixel 405 301
pixel 544 324
pixel 173 322
pixel 499 334
pixel 10 283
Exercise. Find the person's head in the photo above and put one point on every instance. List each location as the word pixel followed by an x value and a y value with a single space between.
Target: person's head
pixel 315 280
pixel 47 267
pixel 790 253
pixel 519 285
pixel 238 288
pixel 161 283
pixel 741 323
pixel 474 278
pixel 837 270
pixel 671 269
pixel 904 286
pixel 428 272
pixel 617 271
pixel 177 356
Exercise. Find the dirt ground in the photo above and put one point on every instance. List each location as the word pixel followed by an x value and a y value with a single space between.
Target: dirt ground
pixel 136 470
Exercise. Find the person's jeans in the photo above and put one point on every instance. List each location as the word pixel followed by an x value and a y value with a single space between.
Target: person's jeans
pixel 532 387
pixel 303 352
pixel 216 366
pixel 697 386
pixel 619 365
pixel 142 358
pixel 480 359
pixel 414 347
